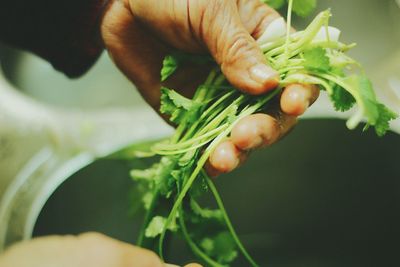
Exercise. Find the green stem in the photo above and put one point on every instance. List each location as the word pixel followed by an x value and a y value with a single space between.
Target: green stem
pixel 200 164
pixel 193 245
pixel 307 36
pixel 288 30
pixel 147 218
pixel 184 150
pixel 228 221
pixel 221 116
pixel 201 94
pixel 182 145
pixel 188 184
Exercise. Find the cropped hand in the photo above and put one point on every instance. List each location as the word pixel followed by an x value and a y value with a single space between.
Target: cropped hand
pixel 138 34
pixel 86 250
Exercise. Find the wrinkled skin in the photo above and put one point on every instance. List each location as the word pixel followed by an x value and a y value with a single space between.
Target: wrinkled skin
pixel 86 250
pixel 139 33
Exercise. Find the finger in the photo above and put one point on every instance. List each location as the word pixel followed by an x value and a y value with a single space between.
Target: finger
pixel 90 249
pixel 99 250
pixel 211 170
pixel 193 265
pixel 255 131
pixel 137 54
pixel 286 123
pixel 241 60
pixel 256 16
pixel 251 132
pixel 225 158
pixel 216 171
pixel 296 98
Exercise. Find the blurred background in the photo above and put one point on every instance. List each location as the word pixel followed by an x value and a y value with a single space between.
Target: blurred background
pixel 324 196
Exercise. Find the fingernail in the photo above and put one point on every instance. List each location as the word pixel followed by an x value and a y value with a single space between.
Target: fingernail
pixel 262 73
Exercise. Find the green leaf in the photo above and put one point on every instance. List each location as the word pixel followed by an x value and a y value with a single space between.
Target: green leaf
pixel 377 114
pixel 385 116
pixel 222 246
pixel 174 104
pixel 205 212
pixel 163 181
pixel 277 4
pixel 360 87
pixel 315 59
pixel 147 199
pixel 341 99
pixel 369 99
pixel 170 64
pixel 304 8
pixel 177 59
pixel 178 106
pixel 147 174
pixel 172 100
pixel 156 226
pixel 207 244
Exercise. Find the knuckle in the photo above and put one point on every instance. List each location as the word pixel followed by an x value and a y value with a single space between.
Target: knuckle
pixel 238 47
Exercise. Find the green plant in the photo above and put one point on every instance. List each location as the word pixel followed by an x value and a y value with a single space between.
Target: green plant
pixel 174 184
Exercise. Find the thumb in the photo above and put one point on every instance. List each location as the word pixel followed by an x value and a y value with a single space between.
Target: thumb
pixel 232 46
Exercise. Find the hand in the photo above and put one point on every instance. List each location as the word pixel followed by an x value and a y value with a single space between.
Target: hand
pixel 139 33
pixel 87 250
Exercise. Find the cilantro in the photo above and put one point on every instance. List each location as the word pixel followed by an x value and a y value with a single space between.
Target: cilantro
pixel 177 181
pixel 177 59
pixel 147 174
pixel 207 244
pixel 361 88
pixel 277 4
pixel 170 64
pixel 187 158
pixel 156 226
pixel 304 8
pixel 385 116
pixel 204 212
pixel 221 246
pixel 147 199
pixel 316 59
pixel 370 104
pixel 177 106
pixel 341 99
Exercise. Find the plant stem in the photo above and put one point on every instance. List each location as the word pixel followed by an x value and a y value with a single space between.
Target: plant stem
pixel 147 218
pixel 193 245
pixel 228 221
pixel 288 30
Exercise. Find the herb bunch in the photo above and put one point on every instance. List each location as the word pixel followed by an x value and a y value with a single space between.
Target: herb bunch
pixel 174 184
